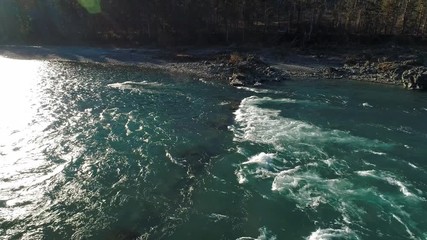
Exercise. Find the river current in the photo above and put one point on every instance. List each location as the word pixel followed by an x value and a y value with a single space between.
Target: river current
pixel 92 151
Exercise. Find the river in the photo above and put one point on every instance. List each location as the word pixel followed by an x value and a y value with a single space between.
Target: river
pixel 92 151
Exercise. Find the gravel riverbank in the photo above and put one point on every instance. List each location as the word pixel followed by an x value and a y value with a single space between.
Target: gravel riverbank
pixel 253 67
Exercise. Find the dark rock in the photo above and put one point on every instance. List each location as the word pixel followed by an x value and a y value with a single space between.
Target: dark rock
pixel 257 84
pixel 412 60
pixel 251 70
pixel 422 81
pixel 415 78
pixel 336 73
pixel 236 82
pixel 408 70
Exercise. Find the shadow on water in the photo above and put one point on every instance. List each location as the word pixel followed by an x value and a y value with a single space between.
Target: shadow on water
pixel 80 54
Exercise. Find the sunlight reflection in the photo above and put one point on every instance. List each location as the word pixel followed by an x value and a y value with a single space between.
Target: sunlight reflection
pixel 19 100
pixel 33 150
pixel 19 77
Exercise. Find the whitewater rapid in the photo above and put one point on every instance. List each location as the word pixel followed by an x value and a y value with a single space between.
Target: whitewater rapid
pixel 322 171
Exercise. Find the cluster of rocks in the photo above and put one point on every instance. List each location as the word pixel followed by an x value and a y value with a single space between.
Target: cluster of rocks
pixel 247 69
pixel 250 70
pixel 415 78
pixel 237 69
pixel 407 70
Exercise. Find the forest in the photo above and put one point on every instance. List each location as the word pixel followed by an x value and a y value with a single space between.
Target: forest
pixel 183 22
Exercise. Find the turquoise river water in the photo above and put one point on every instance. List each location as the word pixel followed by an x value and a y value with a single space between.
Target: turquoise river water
pixel 107 152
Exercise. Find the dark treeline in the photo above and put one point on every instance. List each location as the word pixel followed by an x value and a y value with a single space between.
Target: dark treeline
pixel 175 22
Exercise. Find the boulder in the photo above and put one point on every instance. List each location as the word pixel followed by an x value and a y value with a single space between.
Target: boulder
pixel 408 79
pixel 237 79
pixel 251 70
pixel 236 83
pixel 408 70
pixel 422 81
pixel 415 78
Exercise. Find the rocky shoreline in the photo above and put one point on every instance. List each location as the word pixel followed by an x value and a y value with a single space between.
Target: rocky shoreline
pixel 256 68
pixel 408 70
pixel 252 68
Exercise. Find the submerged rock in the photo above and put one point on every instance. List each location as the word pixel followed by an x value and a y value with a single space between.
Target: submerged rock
pixel 257 84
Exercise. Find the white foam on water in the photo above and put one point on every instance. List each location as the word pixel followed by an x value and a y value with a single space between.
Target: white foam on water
pixel 284 179
pixel 309 190
pixel 116 85
pixel 132 125
pixel 366 173
pixel 241 176
pixel 306 177
pixel 172 159
pixel 401 186
pixel 260 166
pixel 129 85
pixel 241 151
pixel 330 233
pixel 258 90
pixel 264 234
pixel 216 217
pixel 365 104
pixel 203 80
pixel 411 235
pixel 377 153
pixel 369 164
pixel 143 83
pixel 328 162
pixel 412 165
pixel 405 129
pixel 262 159
pixel 389 178
pixel 262 125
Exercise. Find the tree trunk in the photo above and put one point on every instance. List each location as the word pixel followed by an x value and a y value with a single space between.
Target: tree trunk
pixel 405 17
pixel 244 20
pixel 423 25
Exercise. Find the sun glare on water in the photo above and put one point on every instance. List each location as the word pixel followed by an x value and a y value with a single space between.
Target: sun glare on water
pixel 19 100
pixel 18 79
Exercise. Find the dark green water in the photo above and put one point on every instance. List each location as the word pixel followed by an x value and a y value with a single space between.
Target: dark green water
pixel 103 152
